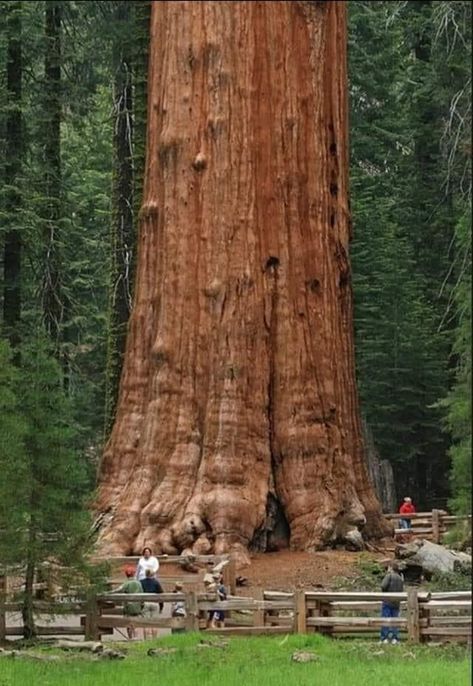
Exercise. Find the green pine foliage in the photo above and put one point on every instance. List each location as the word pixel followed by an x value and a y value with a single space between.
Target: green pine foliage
pixel 82 241
pixel 45 482
pixel 13 430
pixel 410 184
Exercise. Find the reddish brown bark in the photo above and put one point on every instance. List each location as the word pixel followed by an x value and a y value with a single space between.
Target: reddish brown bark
pixel 239 370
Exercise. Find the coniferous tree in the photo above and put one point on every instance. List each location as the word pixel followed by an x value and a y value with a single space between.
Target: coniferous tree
pixel 405 74
pixel 43 514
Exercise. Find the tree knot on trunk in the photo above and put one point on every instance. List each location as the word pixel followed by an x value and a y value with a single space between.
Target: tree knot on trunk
pixel 200 162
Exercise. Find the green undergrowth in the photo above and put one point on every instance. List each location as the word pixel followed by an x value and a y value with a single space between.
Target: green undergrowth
pixel 250 661
pixel 450 581
pixel 459 537
pixel 368 576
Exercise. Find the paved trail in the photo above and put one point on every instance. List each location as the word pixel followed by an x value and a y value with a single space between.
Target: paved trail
pixel 14 620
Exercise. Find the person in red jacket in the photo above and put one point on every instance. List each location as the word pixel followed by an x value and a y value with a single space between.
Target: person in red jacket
pixel 407 508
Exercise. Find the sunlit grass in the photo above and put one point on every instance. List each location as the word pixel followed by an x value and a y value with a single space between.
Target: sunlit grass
pixel 252 661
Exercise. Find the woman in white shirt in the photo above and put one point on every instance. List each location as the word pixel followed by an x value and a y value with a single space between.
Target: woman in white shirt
pixel 146 561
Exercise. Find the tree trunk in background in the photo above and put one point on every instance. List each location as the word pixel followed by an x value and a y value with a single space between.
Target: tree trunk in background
pixel 238 386
pixel 52 298
pixel 122 227
pixel 141 20
pixel 13 161
pixel 381 473
pixel 27 610
pixel 130 60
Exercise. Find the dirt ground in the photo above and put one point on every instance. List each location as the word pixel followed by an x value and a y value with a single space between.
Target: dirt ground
pixel 286 570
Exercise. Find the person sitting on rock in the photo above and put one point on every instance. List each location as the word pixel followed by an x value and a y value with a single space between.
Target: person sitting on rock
pixel 392 583
pixel 407 508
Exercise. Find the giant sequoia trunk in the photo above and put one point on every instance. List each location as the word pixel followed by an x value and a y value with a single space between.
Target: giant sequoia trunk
pixel 238 387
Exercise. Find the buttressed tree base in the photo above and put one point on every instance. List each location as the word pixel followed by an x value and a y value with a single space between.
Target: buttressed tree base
pixel 238 388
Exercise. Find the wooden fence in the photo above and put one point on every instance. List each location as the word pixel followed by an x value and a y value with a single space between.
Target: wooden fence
pixel 424 616
pixel 431 525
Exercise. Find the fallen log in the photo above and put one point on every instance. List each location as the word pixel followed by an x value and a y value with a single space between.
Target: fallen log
pixel 88 646
pixel 432 558
pixel 160 652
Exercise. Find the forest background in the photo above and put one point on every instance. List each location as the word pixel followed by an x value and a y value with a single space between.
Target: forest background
pixel 72 137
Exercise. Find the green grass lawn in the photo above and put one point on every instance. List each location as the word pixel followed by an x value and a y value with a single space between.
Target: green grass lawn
pixel 252 661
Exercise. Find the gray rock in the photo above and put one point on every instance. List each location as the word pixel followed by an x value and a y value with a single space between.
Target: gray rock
pixel 354 539
pixel 304 656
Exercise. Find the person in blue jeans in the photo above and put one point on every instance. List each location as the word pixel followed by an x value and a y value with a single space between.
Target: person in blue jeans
pixel 406 509
pixel 392 583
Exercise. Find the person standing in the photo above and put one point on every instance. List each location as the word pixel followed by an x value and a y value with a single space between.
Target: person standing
pixel 132 608
pixel 146 561
pixel 392 583
pixel 151 610
pixel 217 618
pixel 208 574
pixel 178 612
pixel 406 509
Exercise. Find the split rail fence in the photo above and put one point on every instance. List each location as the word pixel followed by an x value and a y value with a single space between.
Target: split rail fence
pixel 424 616
pixel 431 525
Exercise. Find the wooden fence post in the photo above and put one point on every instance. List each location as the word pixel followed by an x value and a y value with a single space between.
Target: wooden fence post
pixel 325 610
pixel 300 612
pixel 424 618
pixel 92 631
pixel 229 576
pixel 436 526
pixel 258 615
pixel 192 609
pixel 413 628
pixel 3 597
